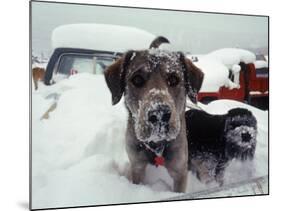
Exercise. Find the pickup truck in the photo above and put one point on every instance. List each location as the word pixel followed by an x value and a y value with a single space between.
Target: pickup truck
pixel 236 74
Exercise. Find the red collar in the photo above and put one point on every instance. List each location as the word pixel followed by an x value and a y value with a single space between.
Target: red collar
pixel 155 151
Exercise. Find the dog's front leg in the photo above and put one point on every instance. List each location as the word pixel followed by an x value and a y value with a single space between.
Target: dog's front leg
pixel 138 172
pixel 220 169
pixel 180 180
pixel 177 169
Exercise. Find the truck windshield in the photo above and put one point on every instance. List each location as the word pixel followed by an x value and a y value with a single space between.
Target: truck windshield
pixel 70 64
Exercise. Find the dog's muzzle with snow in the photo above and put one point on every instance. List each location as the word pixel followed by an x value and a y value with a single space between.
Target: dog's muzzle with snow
pixel 240 134
pixel 157 118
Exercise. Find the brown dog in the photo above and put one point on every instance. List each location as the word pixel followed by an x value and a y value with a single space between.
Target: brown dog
pixel 38 74
pixel 155 84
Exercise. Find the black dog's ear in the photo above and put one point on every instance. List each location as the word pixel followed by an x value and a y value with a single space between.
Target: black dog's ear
pixel 193 78
pixel 115 77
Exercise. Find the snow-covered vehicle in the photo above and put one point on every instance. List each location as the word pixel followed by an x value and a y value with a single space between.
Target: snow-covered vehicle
pixel 90 48
pixel 236 74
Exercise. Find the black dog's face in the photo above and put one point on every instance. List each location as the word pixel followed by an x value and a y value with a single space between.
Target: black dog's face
pixel 241 134
pixel 155 84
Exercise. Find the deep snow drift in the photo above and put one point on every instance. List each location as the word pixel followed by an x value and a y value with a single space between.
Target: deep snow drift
pixel 79 157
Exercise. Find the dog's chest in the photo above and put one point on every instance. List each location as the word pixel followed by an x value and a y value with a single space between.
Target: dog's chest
pixel 158 178
pixel 156 156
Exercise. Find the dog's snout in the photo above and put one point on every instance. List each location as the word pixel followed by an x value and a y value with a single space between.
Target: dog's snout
pixel 246 137
pixel 161 114
pixel 166 117
pixel 152 117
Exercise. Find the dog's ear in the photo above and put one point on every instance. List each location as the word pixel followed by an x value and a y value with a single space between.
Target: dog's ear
pixel 193 78
pixel 158 41
pixel 115 77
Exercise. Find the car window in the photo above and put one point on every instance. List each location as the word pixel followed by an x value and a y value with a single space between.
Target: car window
pixel 101 64
pixel 74 63
pixel 81 64
pixel 70 64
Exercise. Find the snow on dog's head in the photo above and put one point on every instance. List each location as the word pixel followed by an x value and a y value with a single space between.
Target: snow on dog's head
pixel 155 84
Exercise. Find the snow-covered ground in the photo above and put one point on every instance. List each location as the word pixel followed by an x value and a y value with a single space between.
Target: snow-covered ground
pixel 78 153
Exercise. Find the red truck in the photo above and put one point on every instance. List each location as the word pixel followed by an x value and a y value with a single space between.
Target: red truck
pixel 251 85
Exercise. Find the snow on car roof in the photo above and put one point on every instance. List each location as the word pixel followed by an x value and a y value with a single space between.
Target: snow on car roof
pixel 103 37
pixel 232 56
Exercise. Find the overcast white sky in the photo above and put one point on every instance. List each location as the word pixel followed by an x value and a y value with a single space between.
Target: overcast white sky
pixel 187 31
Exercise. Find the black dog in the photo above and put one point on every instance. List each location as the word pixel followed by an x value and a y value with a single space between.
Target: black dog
pixel 214 140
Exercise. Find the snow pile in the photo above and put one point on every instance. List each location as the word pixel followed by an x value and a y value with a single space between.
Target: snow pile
pixel 79 154
pixel 79 157
pixel 232 85
pixel 216 66
pixel 215 73
pixel 236 68
pixel 261 64
pixel 41 65
pixel 232 56
pixel 38 111
pixel 103 37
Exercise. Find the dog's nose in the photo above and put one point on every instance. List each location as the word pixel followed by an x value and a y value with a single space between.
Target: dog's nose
pixel 246 137
pixel 161 114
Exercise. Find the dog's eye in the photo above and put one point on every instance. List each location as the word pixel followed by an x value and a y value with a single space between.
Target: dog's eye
pixel 138 81
pixel 173 80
